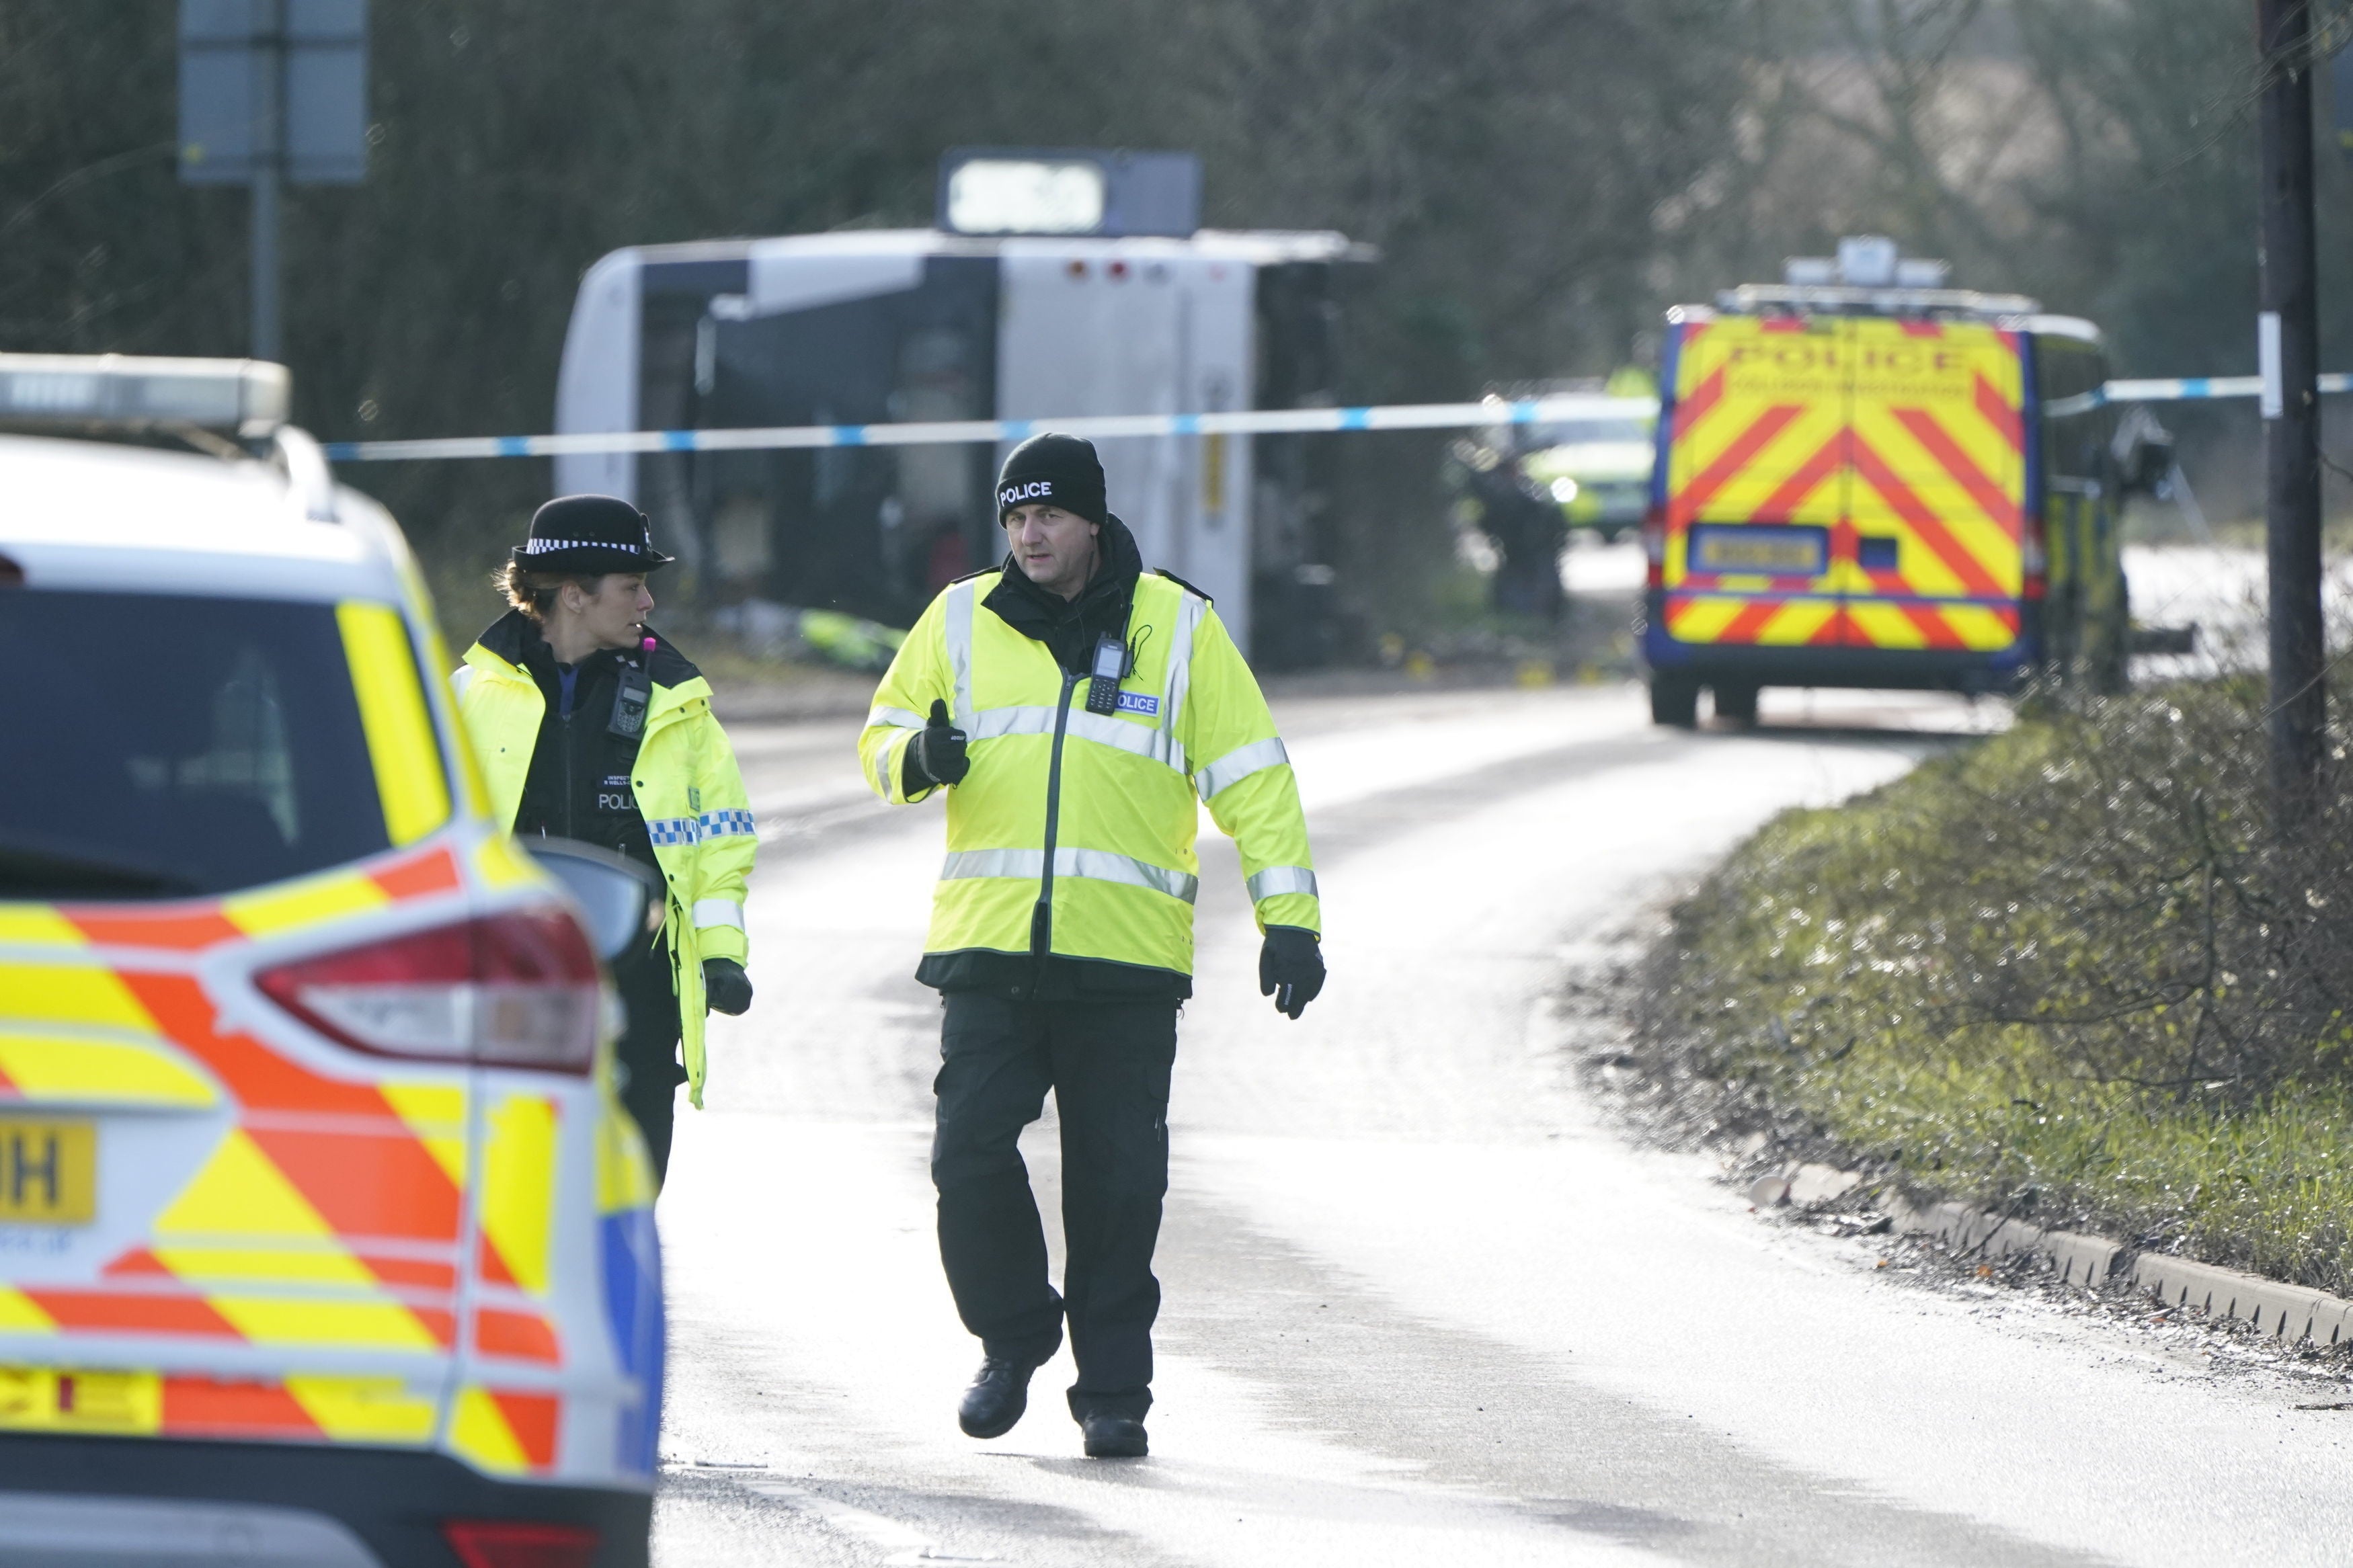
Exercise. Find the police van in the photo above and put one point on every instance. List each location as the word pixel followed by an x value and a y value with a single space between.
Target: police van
pixel 1054 284
pixel 323 1239
pixel 1866 478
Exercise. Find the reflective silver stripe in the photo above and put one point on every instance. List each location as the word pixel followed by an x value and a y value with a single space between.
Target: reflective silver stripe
pixel 1142 740
pixel 718 912
pixel 1026 863
pixel 1088 865
pixel 959 649
pixel 883 715
pixel 459 678
pixel 1103 866
pixel 1190 608
pixel 1282 880
pixel 886 763
pixel 1239 764
pixel 1000 721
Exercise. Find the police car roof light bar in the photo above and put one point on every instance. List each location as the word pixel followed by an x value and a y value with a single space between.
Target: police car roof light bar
pixel 1851 299
pixel 246 397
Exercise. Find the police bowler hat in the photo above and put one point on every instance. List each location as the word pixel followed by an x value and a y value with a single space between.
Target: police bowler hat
pixel 589 534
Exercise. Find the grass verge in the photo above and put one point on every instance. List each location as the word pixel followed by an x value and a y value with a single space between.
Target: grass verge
pixel 2069 971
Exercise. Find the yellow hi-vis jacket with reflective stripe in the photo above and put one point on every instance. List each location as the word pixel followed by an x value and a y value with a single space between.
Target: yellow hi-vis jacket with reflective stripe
pixel 687 786
pixel 1093 812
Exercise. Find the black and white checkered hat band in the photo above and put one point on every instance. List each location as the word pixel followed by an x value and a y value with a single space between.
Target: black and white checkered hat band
pixel 544 546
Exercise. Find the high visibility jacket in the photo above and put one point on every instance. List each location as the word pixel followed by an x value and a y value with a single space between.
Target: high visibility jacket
pixel 1092 816
pixel 687 786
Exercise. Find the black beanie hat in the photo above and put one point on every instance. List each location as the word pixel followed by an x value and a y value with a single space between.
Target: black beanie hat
pixel 1057 470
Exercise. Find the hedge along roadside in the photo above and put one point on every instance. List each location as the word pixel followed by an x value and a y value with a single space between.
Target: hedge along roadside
pixel 2065 974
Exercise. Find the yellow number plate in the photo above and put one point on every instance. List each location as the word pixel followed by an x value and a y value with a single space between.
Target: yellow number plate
pixel 1770 552
pixel 48 1171
pixel 45 1399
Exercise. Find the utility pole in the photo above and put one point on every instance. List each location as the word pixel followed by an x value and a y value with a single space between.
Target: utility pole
pixel 2288 344
pixel 269 176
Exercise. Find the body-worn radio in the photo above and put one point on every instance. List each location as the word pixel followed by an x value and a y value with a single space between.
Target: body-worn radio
pixel 633 692
pixel 1112 664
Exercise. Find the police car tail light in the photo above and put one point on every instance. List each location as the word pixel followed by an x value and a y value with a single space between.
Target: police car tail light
pixel 2034 565
pixel 518 989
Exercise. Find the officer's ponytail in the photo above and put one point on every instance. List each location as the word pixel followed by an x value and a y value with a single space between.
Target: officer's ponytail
pixel 532 592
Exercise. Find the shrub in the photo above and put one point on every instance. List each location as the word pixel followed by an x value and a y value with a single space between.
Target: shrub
pixel 2073 969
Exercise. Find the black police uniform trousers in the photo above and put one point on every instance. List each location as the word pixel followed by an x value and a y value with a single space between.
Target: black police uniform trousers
pixel 1108 1063
pixel 649 1045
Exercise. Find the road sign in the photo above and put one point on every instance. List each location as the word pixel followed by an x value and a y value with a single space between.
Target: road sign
pixel 272 91
pixel 273 82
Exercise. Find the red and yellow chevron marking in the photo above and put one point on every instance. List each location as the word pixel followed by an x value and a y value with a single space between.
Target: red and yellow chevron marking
pixel 329 1213
pixel 301 1407
pixel 506 1432
pixel 1906 434
pixel 1757 622
pixel 194 926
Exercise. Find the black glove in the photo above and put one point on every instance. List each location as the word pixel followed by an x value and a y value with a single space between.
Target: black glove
pixel 936 756
pixel 1289 968
pixel 725 987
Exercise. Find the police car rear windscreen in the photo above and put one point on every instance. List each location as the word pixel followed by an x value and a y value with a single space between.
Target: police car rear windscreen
pixel 168 747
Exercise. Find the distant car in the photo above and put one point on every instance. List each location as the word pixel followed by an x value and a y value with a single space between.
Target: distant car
pixel 1597 471
pixel 1592 458
pixel 323 1239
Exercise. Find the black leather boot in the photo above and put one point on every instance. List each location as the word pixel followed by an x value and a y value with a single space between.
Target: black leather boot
pixel 999 1395
pixel 1115 1437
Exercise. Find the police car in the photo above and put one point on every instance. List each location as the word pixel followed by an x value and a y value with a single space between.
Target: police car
pixel 323 1239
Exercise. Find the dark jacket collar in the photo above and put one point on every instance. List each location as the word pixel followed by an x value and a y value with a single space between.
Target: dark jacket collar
pixel 1070 626
pixel 515 637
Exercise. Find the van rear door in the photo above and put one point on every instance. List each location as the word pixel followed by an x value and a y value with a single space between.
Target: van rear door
pixel 1930 557
pixel 1758 476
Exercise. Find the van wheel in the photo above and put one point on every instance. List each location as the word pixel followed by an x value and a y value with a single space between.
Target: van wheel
pixel 1674 700
pixel 1735 704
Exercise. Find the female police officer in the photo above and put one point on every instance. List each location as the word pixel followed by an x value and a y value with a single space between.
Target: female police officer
pixel 589 726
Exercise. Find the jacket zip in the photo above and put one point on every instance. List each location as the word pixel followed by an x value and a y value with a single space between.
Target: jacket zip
pixel 1041 918
pixel 571 766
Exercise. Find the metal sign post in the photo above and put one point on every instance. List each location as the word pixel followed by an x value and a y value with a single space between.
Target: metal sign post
pixel 272 92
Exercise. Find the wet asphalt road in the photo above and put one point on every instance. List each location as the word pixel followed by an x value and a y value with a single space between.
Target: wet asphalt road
pixel 1422 1306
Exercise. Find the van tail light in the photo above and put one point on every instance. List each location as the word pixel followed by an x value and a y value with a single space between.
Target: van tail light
pixel 1654 546
pixel 2034 564
pixel 518 1544
pixel 518 989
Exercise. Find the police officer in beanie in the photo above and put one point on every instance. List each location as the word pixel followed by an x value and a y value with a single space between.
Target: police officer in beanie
pixel 590 725
pixel 1074 706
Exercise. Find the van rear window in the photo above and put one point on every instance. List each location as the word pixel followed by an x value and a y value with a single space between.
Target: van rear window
pixel 166 747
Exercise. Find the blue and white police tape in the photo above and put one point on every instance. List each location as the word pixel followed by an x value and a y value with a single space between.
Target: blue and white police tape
pixel 1246 422
pixel 2199 386
pixel 1563 409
